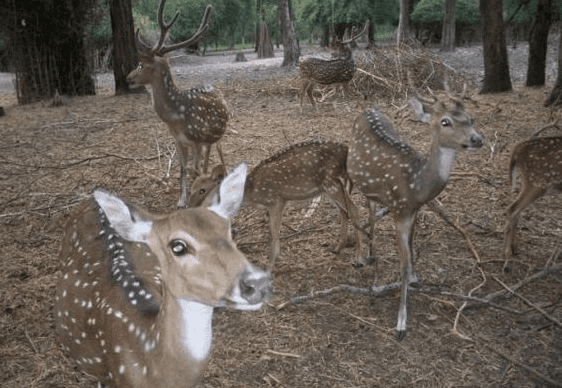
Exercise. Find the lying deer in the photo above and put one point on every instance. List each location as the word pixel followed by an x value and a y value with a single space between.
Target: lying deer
pixel 299 172
pixel 539 163
pixel 387 170
pixel 337 70
pixel 135 303
pixel 196 117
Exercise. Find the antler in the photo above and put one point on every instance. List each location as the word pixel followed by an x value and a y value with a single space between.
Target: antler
pixel 159 48
pixel 353 37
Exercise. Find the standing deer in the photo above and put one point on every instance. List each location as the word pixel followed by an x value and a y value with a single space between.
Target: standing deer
pixel 299 172
pixel 196 117
pixel 539 163
pixel 339 69
pixel 135 303
pixel 387 170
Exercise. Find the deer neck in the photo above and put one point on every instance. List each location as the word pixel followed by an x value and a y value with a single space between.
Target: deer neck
pixel 435 172
pixel 165 94
pixel 185 336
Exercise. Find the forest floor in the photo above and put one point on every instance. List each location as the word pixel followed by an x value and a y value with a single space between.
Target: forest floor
pixel 54 156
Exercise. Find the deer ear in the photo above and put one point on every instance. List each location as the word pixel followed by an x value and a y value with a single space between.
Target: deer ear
pixel 127 222
pixel 420 110
pixel 231 192
pixel 218 173
pixel 193 172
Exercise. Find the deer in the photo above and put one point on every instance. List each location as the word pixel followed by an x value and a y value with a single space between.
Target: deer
pixel 390 172
pixel 135 301
pixel 539 164
pixel 196 117
pixel 299 172
pixel 337 70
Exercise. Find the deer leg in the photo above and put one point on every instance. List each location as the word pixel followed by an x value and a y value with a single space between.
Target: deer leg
pixel 405 229
pixel 207 148
pixel 275 215
pixel 527 195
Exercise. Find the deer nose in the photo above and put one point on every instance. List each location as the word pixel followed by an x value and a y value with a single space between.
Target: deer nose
pixel 476 140
pixel 255 285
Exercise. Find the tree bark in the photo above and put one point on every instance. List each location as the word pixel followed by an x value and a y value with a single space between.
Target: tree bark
pixel 403 22
pixel 496 65
pixel 538 41
pixel 47 42
pixel 290 46
pixel 265 47
pixel 124 45
pixel 555 98
pixel 448 38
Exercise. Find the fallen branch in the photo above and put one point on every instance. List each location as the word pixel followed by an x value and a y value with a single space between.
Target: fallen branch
pixel 440 211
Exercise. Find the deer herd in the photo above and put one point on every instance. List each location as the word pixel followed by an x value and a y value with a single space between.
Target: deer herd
pixel 135 303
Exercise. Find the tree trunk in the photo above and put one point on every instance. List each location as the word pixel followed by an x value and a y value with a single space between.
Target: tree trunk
pixel 265 47
pixel 124 45
pixel 47 43
pixel 448 39
pixel 496 65
pixel 403 22
pixel 290 46
pixel 555 98
pixel 538 41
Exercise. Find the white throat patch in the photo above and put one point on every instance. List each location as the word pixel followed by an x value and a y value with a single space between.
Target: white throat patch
pixel 197 329
pixel 446 159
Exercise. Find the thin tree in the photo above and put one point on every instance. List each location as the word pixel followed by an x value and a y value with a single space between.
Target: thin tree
pixel 538 42
pixel 124 48
pixel 403 21
pixel 555 97
pixel 496 65
pixel 290 45
pixel 448 39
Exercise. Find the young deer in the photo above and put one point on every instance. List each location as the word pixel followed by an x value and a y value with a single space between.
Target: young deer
pixel 299 172
pixel 196 117
pixel 539 163
pixel 135 303
pixel 387 170
pixel 339 69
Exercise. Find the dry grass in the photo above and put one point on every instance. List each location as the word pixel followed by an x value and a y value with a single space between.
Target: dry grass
pixel 53 157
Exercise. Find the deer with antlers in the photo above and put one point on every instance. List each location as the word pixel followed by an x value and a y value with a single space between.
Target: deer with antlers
pixel 337 70
pixel 196 117
pixel 387 170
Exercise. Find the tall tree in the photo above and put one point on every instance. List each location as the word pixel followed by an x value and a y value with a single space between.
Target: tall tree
pixel 496 65
pixel 403 21
pixel 124 48
pixel 555 97
pixel 449 21
pixel 46 42
pixel 538 42
pixel 290 45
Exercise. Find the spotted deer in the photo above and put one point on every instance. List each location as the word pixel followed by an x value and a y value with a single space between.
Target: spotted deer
pixel 387 170
pixel 196 117
pixel 539 164
pixel 337 70
pixel 300 172
pixel 135 302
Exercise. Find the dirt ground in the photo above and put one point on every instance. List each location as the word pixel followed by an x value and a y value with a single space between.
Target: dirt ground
pixel 52 157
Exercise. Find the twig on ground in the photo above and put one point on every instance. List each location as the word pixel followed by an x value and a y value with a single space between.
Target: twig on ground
pixel 547 315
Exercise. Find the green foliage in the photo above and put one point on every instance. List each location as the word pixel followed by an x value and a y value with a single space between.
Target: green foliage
pixel 432 11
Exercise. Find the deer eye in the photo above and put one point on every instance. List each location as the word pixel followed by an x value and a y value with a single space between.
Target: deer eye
pixel 139 67
pixel 202 191
pixel 445 122
pixel 179 247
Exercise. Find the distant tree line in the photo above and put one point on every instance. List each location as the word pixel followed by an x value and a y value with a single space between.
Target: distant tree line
pixel 50 44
